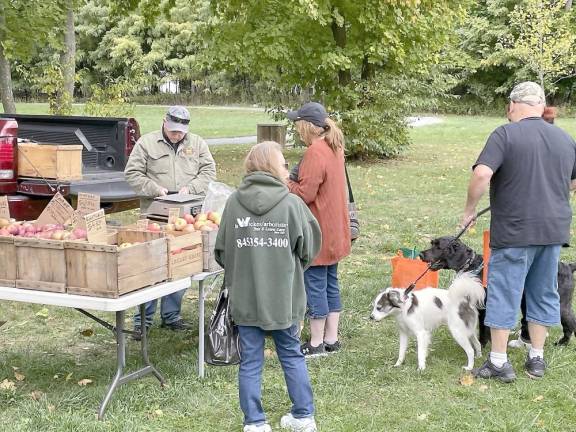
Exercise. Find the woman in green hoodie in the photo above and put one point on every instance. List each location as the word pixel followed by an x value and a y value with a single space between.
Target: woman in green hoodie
pixel 266 240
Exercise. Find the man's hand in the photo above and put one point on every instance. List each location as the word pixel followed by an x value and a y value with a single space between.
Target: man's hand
pixel 184 190
pixel 467 217
pixel 163 192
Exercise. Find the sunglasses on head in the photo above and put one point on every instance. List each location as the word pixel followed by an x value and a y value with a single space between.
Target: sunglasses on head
pixel 177 120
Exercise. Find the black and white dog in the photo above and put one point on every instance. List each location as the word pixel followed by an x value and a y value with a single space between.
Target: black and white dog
pixel 455 255
pixel 426 309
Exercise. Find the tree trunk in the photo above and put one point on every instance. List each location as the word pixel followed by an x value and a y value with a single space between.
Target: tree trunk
pixel 339 34
pixel 68 57
pixel 568 5
pixel 367 69
pixel 5 75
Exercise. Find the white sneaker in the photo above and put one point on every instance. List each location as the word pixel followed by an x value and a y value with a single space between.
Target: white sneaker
pixel 306 424
pixel 519 343
pixel 258 428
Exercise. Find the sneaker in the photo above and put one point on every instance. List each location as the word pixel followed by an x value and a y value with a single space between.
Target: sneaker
pixel 519 343
pixel 265 427
pixel 489 370
pixel 137 333
pixel 311 351
pixel 535 367
pixel 332 348
pixel 179 325
pixel 305 424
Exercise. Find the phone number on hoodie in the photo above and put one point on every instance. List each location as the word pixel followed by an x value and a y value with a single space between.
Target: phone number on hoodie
pixel 262 242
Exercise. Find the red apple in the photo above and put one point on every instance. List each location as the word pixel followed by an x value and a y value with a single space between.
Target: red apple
pixel 189 219
pixel 13 229
pixel 79 233
pixel 4 232
pixel 154 227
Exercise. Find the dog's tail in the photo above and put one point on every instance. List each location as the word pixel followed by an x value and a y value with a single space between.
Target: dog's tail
pixel 467 286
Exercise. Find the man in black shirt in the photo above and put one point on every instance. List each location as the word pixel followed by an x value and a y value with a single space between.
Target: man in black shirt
pixel 529 165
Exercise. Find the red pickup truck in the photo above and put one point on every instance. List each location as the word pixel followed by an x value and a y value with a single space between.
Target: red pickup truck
pixel 107 143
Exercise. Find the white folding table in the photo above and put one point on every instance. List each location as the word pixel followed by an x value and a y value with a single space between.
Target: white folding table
pixel 120 306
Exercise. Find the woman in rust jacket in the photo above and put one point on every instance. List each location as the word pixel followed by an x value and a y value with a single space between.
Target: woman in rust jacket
pixel 321 183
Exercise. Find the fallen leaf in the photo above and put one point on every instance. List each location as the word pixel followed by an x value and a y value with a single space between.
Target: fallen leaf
pixel 15 368
pixel 51 408
pixel 423 416
pixel 467 380
pixel 87 332
pixel 7 385
pixel 69 376
pixel 56 376
pixel 36 395
pixel 19 376
pixel 268 353
pixel 84 382
pixel 483 388
pixel 158 413
pixel 538 398
pixel 42 313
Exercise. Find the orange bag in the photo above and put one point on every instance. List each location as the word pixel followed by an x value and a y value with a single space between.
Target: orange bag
pixel 406 270
pixel 486 256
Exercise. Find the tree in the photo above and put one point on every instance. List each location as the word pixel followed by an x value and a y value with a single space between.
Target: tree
pixel 348 54
pixel 16 42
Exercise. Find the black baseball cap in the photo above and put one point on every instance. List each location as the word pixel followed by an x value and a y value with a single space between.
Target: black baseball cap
pixel 313 112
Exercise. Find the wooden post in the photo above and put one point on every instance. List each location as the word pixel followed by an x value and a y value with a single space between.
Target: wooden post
pixel 271 132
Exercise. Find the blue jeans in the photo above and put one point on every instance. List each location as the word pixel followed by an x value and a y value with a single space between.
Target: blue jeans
pixel 322 291
pixel 169 309
pixel 293 364
pixel 532 270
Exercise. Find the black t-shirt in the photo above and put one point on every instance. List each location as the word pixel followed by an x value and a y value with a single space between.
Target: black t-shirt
pixel 533 163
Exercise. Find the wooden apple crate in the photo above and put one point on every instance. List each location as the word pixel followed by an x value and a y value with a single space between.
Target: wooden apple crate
pixel 106 270
pixel 41 264
pixel 60 162
pixel 7 262
pixel 208 243
pixel 184 254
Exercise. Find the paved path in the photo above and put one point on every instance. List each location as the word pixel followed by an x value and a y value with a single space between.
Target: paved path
pixel 412 121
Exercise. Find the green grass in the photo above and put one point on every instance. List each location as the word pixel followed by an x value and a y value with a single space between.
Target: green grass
pixel 206 122
pixel 403 202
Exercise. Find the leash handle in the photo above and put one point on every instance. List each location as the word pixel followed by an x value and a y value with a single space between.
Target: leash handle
pixel 470 222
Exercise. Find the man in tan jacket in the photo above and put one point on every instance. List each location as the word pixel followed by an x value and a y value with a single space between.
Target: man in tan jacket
pixel 170 160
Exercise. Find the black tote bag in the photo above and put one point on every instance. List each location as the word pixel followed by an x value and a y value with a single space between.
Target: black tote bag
pixel 222 345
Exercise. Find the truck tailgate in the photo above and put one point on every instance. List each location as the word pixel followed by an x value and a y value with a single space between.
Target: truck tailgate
pixel 110 185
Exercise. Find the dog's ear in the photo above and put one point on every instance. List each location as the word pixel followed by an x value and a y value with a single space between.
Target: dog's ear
pixel 395 298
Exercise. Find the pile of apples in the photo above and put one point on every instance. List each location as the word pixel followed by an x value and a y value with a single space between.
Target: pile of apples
pixel 11 228
pixel 202 222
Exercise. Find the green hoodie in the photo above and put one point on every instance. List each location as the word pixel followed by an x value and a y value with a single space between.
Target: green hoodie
pixel 266 240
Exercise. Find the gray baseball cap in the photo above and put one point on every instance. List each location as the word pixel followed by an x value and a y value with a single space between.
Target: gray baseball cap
pixel 313 112
pixel 529 93
pixel 177 119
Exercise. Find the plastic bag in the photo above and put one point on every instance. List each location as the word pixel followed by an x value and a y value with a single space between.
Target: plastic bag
pixel 222 345
pixel 216 197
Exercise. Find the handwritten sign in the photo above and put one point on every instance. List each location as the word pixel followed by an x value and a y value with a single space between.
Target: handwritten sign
pixel 4 209
pixel 142 224
pixel 96 227
pixel 78 220
pixel 88 203
pixel 173 214
pixel 58 211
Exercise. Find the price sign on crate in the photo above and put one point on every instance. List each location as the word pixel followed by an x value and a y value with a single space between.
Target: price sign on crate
pixel 96 227
pixel 88 203
pixel 4 209
pixel 142 224
pixel 57 211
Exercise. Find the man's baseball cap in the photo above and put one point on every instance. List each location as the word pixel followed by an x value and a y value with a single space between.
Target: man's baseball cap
pixel 529 93
pixel 177 119
pixel 313 112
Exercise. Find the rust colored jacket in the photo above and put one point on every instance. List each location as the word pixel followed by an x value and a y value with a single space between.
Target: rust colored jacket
pixel 322 186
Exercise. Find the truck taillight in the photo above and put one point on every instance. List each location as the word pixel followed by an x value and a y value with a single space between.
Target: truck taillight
pixel 7 158
pixel 132 135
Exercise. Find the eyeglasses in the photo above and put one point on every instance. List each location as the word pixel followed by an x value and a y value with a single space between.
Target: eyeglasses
pixel 177 120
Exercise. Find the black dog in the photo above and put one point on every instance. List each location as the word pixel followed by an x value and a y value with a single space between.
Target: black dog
pixel 455 255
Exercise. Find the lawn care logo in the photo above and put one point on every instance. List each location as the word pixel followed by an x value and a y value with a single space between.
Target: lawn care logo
pixel 242 222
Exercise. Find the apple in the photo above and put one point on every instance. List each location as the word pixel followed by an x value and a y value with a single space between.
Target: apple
pixel 189 219
pixel 4 232
pixel 199 224
pixel 213 216
pixel 188 229
pixel 79 233
pixel 202 217
pixel 13 229
pixel 169 227
pixel 180 224
pixel 4 222
pixel 46 235
pixel 57 235
pixel 154 227
pixel 124 245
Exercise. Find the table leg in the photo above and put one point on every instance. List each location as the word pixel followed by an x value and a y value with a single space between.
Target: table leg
pixel 121 362
pixel 144 347
pixel 201 329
